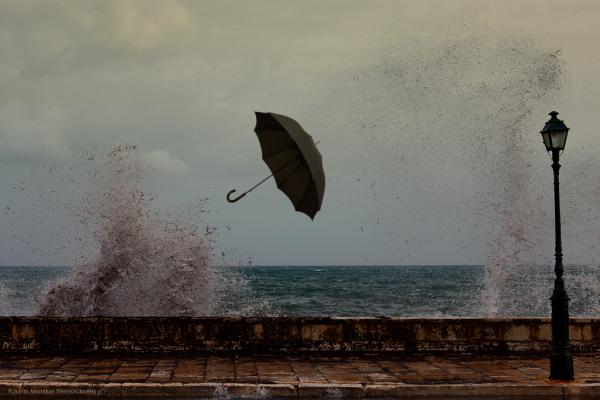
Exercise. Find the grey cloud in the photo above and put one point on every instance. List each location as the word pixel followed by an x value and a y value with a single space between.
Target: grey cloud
pixel 54 37
pixel 32 136
pixel 163 161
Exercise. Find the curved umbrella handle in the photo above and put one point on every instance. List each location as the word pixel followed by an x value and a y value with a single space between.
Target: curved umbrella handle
pixel 229 199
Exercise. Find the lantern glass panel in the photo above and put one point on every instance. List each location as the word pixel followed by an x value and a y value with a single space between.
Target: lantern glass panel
pixel 559 138
pixel 547 142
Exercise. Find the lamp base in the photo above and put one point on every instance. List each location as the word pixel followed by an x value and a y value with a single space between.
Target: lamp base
pixel 561 365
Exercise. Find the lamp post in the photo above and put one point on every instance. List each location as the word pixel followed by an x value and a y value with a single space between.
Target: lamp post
pixel 554 135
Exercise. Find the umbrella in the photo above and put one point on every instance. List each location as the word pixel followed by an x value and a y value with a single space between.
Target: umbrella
pixel 293 158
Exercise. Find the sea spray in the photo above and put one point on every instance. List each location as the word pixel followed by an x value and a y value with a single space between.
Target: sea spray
pixel 5 300
pixel 148 263
pixel 452 117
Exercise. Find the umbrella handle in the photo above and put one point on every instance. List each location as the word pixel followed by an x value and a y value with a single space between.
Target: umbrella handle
pixel 229 199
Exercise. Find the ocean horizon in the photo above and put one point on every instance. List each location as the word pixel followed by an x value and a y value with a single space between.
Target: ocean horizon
pixel 352 290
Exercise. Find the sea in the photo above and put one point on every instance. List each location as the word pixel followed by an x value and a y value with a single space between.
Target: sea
pixel 405 291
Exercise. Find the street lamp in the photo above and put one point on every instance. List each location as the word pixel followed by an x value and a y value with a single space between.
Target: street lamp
pixel 561 361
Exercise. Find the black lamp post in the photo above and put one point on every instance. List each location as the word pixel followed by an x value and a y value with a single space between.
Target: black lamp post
pixel 561 361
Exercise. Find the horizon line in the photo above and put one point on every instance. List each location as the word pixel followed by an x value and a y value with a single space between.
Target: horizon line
pixel 289 265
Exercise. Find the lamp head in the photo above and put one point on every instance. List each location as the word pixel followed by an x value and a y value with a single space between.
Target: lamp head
pixel 554 133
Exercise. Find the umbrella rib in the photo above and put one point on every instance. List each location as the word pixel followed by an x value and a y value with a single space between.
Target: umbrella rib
pixel 267 178
pixel 266 157
pixel 291 173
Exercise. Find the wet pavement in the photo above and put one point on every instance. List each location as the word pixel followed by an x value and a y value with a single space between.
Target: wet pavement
pixel 292 376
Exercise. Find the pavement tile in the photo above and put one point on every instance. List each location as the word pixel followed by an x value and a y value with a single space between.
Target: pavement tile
pixel 348 378
pixel 305 370
pixel 312 378
pixel 32 376
pixel 247 379
pixel 439 378
pixel 159 378
pixel 201 390
pixel 380 391
pixel 279 378
pixel 277 391
pixel 379 377
pixel 185 379
pixel 128 377
pixel 220 378
pixel 346 391
pixel 60 378
pixel 412 377
pixel 91 378
pixel 241 390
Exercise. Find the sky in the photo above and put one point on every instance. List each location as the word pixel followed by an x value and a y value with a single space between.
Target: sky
pixel 404 97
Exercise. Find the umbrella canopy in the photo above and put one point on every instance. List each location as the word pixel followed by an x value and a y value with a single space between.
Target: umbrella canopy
pixel 294 160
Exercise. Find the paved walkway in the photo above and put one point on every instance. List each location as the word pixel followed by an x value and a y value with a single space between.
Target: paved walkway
pixel 291 376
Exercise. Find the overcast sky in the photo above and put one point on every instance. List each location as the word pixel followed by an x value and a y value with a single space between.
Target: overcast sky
pixel 402 95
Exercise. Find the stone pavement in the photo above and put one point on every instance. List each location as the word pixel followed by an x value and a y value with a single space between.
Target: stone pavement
pixel 292 376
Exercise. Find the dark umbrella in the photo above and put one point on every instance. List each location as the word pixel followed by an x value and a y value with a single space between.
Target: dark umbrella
pixel 293 158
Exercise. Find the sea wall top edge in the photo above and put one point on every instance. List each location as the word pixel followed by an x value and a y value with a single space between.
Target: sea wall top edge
pixel 293 318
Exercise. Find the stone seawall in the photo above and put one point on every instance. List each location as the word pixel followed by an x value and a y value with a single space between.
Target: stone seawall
pixel 288 334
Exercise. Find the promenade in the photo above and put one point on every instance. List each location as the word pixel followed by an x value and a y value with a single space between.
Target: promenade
pixel 293 376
